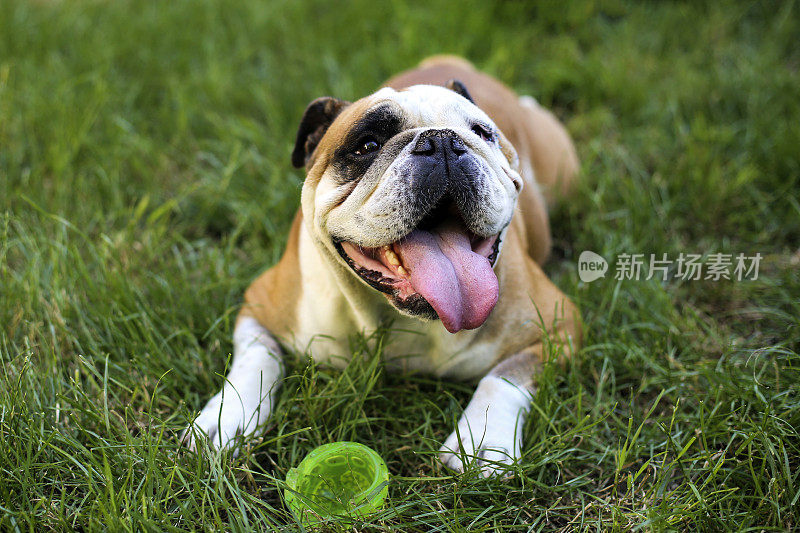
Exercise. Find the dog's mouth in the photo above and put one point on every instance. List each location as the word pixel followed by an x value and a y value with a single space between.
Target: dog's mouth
pixel 439 269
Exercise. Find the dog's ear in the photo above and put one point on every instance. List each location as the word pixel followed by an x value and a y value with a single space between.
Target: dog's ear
pixel 318 116
pixel 458 87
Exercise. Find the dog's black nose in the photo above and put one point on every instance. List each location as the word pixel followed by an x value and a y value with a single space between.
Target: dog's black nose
pixel 446 143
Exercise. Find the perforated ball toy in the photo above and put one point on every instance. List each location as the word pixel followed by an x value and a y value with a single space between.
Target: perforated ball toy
pixel 337 479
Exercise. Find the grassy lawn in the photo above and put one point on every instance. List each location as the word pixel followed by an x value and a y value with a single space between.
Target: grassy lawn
pixel 145 181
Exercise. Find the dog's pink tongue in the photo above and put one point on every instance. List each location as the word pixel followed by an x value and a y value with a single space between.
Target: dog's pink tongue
pixel 458 283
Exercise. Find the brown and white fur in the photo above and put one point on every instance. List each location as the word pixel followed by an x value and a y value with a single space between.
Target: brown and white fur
pixel 314 298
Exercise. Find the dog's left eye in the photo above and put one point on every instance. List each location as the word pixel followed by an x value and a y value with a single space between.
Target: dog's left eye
pixel 367 146
pixel 483 132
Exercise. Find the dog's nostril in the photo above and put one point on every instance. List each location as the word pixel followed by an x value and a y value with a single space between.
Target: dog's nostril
pixel 458 146
pixel 424 146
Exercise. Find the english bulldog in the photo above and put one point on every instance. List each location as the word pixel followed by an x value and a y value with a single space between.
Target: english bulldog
pixel 424 206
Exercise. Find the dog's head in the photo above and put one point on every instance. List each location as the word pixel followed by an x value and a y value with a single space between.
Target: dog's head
pixel 411 191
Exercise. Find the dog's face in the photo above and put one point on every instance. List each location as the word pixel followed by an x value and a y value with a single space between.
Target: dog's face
pixel 411 191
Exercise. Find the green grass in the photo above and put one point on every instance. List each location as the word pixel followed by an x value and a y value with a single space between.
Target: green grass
pixel 145 181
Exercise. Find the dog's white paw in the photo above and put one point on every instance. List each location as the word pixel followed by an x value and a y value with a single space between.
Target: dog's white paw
pixel 489 432
pixel 226 416
pixel 245 402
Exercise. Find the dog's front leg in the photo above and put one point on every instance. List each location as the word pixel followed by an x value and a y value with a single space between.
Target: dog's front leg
pixel 489 431
pixel 246 399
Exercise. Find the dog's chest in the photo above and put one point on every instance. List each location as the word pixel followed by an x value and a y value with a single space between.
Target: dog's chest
pixel 411 346
pixel 429 348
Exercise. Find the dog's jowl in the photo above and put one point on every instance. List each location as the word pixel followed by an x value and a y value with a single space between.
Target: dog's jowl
pixel 424 206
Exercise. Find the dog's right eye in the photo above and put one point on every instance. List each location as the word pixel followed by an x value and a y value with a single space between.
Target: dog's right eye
pixel 366 146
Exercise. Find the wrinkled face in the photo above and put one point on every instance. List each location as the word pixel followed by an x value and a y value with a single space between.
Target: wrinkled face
pixel 413 191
